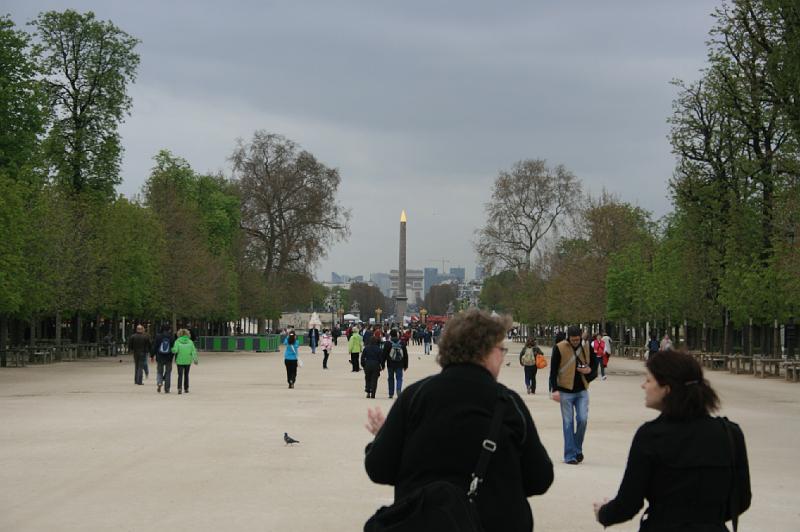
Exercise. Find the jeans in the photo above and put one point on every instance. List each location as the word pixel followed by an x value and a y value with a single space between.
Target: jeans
pixel 313 343
pixel 574 416
pixel 530 377
pixel 138 367
pixel 291 370
pixel 325 353
pixel 427 348
pixel 395 374
pixel 183 377
pixel 164 373
pixel 145 368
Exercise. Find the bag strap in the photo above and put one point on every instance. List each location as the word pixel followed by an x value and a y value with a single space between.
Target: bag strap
pixel 489 445
pixel 733 499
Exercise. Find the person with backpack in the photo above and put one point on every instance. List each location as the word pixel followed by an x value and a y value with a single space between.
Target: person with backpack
pixel 395 355
pixel 327 346
pixel 185 354
pixel 372 361
pixel 162 353
pixel 527 359
pixel 290 358
pixel 354 346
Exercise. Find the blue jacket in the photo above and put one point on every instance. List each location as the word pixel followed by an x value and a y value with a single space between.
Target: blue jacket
pixel 291 349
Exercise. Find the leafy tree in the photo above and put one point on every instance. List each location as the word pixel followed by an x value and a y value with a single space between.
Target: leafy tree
pixel 439 298
pixel 368 298
pixel 23 103
pixel 87 65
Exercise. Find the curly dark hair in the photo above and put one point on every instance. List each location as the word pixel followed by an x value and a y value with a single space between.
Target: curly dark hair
pixel 469 337
pixel 690 395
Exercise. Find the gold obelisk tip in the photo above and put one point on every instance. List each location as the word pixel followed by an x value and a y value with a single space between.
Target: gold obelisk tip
pixel 403 216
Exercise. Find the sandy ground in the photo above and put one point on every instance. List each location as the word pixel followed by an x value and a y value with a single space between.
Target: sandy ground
pixel 83 448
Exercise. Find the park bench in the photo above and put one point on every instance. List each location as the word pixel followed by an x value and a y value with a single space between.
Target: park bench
pixel 66 352
pixel 16 356
pixel 715 361
pixel 764 366
pixel 40 355
pixel 792 370
pixel 740 363
pixel 87 350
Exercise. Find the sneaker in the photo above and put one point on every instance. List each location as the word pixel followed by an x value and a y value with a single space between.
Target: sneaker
pixel 159 388
pixel 604 377
pixel 179 392
pixel 579 458
pixel 573 462
pixel 185 391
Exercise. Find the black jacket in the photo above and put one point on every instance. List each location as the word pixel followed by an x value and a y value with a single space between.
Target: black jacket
pixel 372 355
pixel 391 364
pixel 684 470
pixel 139 344
pixel 434 431
pixel 157 344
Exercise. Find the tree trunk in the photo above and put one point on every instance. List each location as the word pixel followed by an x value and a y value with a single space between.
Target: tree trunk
pixel 776 340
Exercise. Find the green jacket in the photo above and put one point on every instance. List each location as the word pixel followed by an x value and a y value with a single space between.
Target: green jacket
pixel 185 351
pixel 355 344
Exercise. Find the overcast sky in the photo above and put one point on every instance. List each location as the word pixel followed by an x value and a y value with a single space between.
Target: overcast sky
pixel 419 104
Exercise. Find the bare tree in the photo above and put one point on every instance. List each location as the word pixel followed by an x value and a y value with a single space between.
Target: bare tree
pixel 526 204
pixel 289 209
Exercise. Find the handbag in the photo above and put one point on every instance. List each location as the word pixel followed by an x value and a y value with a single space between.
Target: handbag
pixel 441 506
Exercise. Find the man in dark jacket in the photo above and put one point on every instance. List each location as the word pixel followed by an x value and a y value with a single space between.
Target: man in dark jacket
pixel 395 355
pixel 162 351
pixel 313 339
pixel 372 361
pixel 139 346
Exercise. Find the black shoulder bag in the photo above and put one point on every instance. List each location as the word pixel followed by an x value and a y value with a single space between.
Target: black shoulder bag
pixel 442 506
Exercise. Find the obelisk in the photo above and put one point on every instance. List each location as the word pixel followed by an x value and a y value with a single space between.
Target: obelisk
pixel 400 298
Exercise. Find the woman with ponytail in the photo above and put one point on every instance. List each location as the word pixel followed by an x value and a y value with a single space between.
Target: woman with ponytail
pixel 691 467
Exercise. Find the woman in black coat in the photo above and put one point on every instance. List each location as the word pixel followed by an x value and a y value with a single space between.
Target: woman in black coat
pixel 435 429
pixel 691 467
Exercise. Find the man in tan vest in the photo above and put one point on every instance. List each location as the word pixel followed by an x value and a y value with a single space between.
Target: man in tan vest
pixel 572 367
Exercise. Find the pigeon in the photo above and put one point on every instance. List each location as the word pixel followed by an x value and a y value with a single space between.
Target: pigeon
pixel 288 439
pixel 508 363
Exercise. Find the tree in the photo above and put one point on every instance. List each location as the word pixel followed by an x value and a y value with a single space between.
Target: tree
pixel 439 297
pixel 527 203
pixel 289 209
pixel 369 298
pixel 23 103
pixel 87 65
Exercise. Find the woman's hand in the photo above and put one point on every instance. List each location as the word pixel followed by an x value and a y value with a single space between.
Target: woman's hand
pixel 375 419
pixel 597 507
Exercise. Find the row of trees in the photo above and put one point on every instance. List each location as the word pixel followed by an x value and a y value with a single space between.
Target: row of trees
pixel 192 246
pixel 727 256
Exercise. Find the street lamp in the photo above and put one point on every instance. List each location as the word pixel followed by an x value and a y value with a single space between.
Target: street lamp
pixel 423 313
pixel 341 316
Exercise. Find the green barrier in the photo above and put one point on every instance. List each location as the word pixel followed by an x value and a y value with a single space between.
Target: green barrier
pixel 268 343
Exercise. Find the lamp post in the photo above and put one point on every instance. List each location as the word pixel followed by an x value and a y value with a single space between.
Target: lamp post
pixel 341 315
pixel 378 312
pixel 423 313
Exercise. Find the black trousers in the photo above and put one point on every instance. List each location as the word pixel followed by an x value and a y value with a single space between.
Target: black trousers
pixel 138 370
pixel 183 377
pixel 291 370
pixel 325 354
pixel 354 361
pixel 371 374
pixel 164 372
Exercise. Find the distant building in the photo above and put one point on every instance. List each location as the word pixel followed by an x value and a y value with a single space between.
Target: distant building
pixel 383 281
pixel 480 273
pixel 431 278
pixel 459 274
pixel 345 279
pixel 415 285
